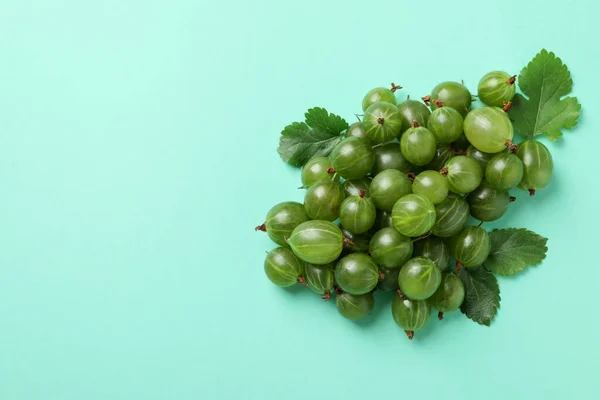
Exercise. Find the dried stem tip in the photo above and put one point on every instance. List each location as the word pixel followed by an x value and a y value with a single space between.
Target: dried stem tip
pixel 301 280
pixel 381 276
pixel 362 193
pixel 380 120
pixel 512 198
pixel 438 103
pixel 440 315
pixel 262 228
pixel 531 192
pixel 327 295
pixel 415 124
pixel 512 80
pixel 507 106
pixel 338 290
pixel 411 176
pixel 395 87
pixel 426 100
pixel 459 265
pixel 410 334
pixel 331 170
pixel 444 171
pixel 348 241
pixel 400 294
pixel 512 148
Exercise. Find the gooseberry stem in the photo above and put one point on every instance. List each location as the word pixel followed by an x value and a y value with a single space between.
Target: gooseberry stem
pixel 426 100
pixel 400 294
pixel 459 265
pixel 531 192
pixel 415 124
pixel 440 315
pixel 480 223
pixel 261 227
pixel 438 103
pixel 301 280
pixel 395 87
pixel 507 105
pixel 362 193
pixel 411 176
pixel 330 170
pixel 327 295
pixel 380 120
pixel 512 148
pixel 512 198
pixel 410 334
pixel 512 80
pixel 358 117
pixel 381 276
pixel 444 171
pixel 338 290
pixel 348 241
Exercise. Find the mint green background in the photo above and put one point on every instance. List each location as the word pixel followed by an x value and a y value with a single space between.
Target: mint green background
pixel 137 153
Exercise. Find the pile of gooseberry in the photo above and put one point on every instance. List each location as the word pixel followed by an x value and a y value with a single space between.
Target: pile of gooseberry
pixel 389 208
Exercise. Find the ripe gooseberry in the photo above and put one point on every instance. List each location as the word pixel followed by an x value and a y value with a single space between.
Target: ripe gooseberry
pixel 496 88
pixel 317 242
pixel 417 145
pixel 537 165
pixel 379 94
pixel 435 249
pixel 432 185
pixel 463 174
pixel 354 307
pixel 352 158
pixel 419 278
pixel 488 204
pixel 323 199
pixel 389 282
pixel 282 219
pixel 413 110
pixel 446 124
pixel 413 215
pixel 357 213
pixel 489 129
pixel 356 273
pixel 357 129
pixel 382 122
pixel 451 216
pixel 387 187
pixel 451 94
pixel 504 171
pixel 449 296
pixel 316 169
pixel 283 268
pixel 410 315
pixel 319 278
pixel 389 248
pixel 479 156
pixel 389 156
pixel 471 246
pixel 352 187
pixel 442 154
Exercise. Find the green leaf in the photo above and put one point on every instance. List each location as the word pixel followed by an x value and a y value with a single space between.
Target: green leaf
pixel 545 80
pixel 513 250
pixel 300 141
pixel 482 295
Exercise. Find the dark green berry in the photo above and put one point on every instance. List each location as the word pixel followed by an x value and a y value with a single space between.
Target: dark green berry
pixel 410 315
pixel 434 249
pixel 413 215
pixel 282 219
pixel 282 267
pixel 388 281
pixel 537 165
pixel 504 171
pixel 446 124
pixel 319 278
pixel 487 204
pixel 413 110
pixel 451 216
pixel 417 145
pixel 357 213
pixel 355 307
pixel 451 94
pixel 323 200
pixel 450 294
pixel 316 169
pixel 482 158
pixel 496 88
pixel 389 156
pixel 356 273
pixel 353 187
pixel 419 278
pixel 317 242
pixel 389 248
pixel 387 187
pixel 471 246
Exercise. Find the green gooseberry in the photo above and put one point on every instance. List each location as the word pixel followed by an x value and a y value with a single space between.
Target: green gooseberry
pixel 387 187
pixel 389 248
pixel 451 216
pixel 449 296
pixel 463 174
pixel 389 156
pixel 357 129
pixel 417 145
pixel 446 124
pixel 379 94
pixel 413 215
pixel 388 281
pixel 432 185
pixel 496 88
pixel 382 122
pixel 413 110
pixel 323 200
pixel 488 204
pixel 410 315
pixel 383 219
pixel 355 307
pixel 319 278
pixel 471 246
pixel 482 158
pixel 282 219
pixel 442 154
pixel 435 249
pixel 451 94
pixel 353 187
pixel 355 243
pixel 419 278
pixel 282 267
pixel 504 171
pixel 537 165
pixel 317 242
pixel 489 129
pixel 316 169
pixel 352 158
pixel 356 273
pixel 357 213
